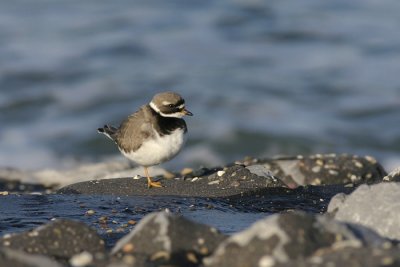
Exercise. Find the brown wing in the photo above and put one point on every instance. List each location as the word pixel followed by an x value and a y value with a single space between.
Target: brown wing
pixel 136 128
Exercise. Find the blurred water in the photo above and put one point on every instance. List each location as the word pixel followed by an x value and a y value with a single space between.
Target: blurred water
pixel 262 77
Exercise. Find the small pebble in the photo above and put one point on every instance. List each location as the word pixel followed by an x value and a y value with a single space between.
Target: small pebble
pixel 266 261
pixel 371 159
pixel 195 179
pixel 160 255
pixel 358 164
pixel 132 222
pixel 4 193
pixel 191 257
pixel 333 172
pixel 119 230
pixel 103 219
pixel 316 169
pixel 316 181
pixel 90 212
pixel 204 250
pixel 330 166
pixel 6 236
pixel 220 173
pixel 137 177
pixel 33 233
pixel 354 178
pixel 81 259
pixel 214 182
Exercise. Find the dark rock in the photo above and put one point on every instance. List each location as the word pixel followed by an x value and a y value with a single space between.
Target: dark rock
pixel 162 239
pixel 60 239
pixel 15 258
pixel 325 169
pixel 235 180
pixel 368 205
pixel 286 237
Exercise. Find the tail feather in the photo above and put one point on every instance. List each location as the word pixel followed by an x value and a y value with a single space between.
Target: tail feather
pixel 108 131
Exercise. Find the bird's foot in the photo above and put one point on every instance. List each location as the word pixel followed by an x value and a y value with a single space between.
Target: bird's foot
pixel 151 184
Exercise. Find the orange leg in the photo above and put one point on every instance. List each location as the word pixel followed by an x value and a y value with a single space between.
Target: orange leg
pixel 150 183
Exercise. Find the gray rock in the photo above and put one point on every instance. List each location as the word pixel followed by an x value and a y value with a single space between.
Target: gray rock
pixel 238 176
pixel 362 257
pixel 166 239
pixel 15 258
pixel 375 206
pixel 282 238
pixel 393 176
pixel 325 169
pixel 60 239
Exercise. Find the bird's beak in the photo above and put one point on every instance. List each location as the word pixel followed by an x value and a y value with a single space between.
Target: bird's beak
pixel 187 112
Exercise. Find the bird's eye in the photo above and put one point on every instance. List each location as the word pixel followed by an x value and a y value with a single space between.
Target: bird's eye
pixel 171 105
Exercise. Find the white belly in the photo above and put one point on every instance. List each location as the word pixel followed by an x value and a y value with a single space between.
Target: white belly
pixel 158 150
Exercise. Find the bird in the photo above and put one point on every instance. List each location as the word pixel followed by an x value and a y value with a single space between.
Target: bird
pixel 154 134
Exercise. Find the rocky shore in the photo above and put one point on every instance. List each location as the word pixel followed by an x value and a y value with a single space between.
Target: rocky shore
pixel 320 210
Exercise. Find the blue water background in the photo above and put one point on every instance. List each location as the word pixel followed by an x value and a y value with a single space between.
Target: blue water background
pixel 263 78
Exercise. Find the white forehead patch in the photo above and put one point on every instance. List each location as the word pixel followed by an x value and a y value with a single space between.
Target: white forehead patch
pixel 181 106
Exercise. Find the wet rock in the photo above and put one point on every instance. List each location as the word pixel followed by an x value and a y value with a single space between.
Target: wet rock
pixel 393 176
pixel 234 180
pixel 286 237
pixel 163 238
pixel 325 169
pixel 310 198
pixel 60 239
pixel 368 205
pixel 15 258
